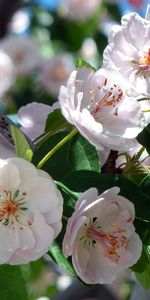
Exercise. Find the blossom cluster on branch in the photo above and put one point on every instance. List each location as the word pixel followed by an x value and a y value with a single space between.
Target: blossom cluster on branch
pixel 51 185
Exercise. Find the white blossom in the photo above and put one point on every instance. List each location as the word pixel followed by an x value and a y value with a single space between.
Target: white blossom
pixel 30 211
pixel 7 72
pixel 33 117
pixel 79 10
pixel 55 72
pixel 101 236
pixel 129 50
pixel 97 103
pixel 23 52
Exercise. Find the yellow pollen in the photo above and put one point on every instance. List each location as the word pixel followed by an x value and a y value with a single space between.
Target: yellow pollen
pixel 110 241
pixel 145 59
pixel 9 208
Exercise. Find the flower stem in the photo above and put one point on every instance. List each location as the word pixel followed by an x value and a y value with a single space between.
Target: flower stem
pixel 146 110
pixel 143 99
pixel 57 147
pixel 139 153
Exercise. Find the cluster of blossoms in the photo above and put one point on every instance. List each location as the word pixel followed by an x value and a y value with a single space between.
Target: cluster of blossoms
pixel 104 106
pixel 21 57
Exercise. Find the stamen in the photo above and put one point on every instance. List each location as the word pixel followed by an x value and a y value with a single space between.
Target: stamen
pixel 144 62
pixel 111 242
pixel 111 98
pixel 11 205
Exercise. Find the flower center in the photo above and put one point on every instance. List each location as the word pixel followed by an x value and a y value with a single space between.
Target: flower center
pixel 108 98
pixel 112 242
pixel 11 205
pixel 144 62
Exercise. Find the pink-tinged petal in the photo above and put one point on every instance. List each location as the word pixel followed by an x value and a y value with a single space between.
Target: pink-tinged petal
pixel 33 113
pixel 9 176
pixel 30 203
pixel 80 259
pixel 42 232
pixel 90 130
pixel 115 58
pixel 93 268
pixel 124 203
pixel 16 237
pixel 9 238
pixel 120 43
pixel 109 215
pixel 33 118
pixel 25 168
pixel 73 226
pixel 43 235
pixel 86 198
pixel 135 247
pixel 42 173
pixel 5 255
pixel 101 237
pixel 63 97
pixel 44 198
pixel 26 238
pixel 54 215
pixel 111 194
pixel 57 228
pixel 133 23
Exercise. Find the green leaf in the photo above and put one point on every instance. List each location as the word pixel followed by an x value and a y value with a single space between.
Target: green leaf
pixel 80 181
pixel 76 154
pixel 144 137
pixel 12 285
pixel 59 258
pixel 143 229
pixel 55 166
pixel 72 33
pixel 80 63
pixel 145 184
pixel 144 277
pixel 142 263
pixel 56 122
pixel 22 146
pixel 83 155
